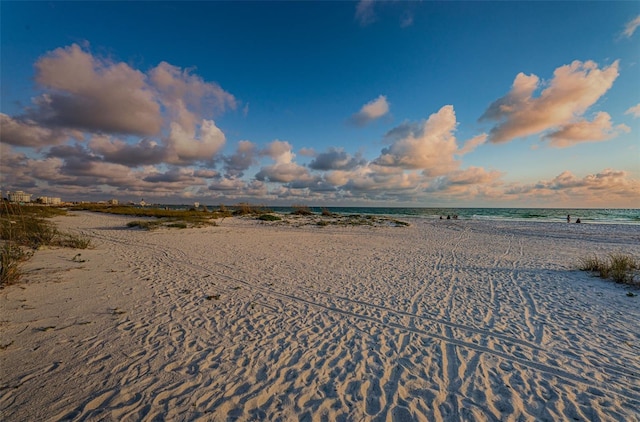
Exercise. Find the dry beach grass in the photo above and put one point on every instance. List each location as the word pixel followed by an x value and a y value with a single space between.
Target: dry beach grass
pixel 261 320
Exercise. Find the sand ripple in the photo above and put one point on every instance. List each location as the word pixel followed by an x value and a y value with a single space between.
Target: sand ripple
pixel 437 321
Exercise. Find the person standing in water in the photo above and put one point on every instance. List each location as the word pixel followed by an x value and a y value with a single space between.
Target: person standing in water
pixel 568 219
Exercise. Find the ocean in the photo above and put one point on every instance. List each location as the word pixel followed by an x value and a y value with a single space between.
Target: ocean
pixel 586 215
pixel 599 216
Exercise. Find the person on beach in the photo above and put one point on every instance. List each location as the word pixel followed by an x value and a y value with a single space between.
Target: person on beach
pixel 578 221
pixel 568 219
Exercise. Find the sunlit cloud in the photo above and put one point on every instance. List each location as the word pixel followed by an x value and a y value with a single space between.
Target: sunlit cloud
pixel 472 144
pixel 186 95
pixel 631 27
pixel 429 146
pixel 184 147
pixel 609 187
pixel 285 170
pixel 27 133
pixel 573 89
pixel 599 129
pixel 634 111
pixel 371 111
pixel 88 93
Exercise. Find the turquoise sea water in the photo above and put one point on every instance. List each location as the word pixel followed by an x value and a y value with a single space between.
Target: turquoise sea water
pixel 601 216
pixel 586 215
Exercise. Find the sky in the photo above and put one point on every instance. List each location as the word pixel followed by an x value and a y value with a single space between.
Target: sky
pixel 369 103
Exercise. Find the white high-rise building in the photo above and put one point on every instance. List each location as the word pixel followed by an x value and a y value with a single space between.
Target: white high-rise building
pixel 19 196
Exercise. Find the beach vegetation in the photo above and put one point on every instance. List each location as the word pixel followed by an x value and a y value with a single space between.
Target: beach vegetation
pixel 11 256
pixel 301 210
pixel 619 267
pixel 25 227
pixel 178 225
pixel 326 213
pixel 248 209
pixel 269 217
pixel 190 214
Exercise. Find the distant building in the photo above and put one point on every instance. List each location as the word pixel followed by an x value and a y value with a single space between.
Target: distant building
pixel 18 196
pixel 112 202
pixel 49 200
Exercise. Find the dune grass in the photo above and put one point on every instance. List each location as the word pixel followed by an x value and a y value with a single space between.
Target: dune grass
pixel 24 228
pixel 619 267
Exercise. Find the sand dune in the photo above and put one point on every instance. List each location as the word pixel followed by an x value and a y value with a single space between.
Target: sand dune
pixel 438 321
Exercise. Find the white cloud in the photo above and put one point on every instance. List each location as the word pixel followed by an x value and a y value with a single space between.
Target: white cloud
pixel 279 151
pixel 599 129
pixel 429 146
pixel 284 170
pixel 29 133
pixel 88 93
pixel 183 146
pixel 573 89
pixel 472 144
pixel 634 111
pixel 611 188
pixel 631 27
pixel 373 110
pixel 185 95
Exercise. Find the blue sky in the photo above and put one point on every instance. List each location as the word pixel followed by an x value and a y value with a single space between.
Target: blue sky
pixel 323 103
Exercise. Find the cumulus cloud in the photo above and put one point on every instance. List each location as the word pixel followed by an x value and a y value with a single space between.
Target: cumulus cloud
pixel 185 95
pixel 184 147
pixel 86 93
pixel 279 151
pixel 429 146
pixel 143 152
pixel 245 156
pixel 27 133
pixel 461 180
pixel 174 175
pixel 634 111
pixel 631 27
pixel 284 170
pixel 573 89
pixel 373 110
pixel 336 159
pixel 93 94
pixel 609 187
pixel 599 129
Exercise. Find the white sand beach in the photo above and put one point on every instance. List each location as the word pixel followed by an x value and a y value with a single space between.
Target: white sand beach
pixel 438 321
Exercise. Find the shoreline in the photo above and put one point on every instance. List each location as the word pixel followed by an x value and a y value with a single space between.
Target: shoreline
pixel 249 320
